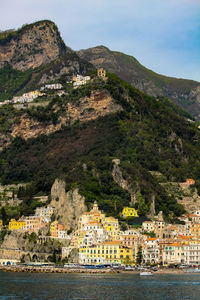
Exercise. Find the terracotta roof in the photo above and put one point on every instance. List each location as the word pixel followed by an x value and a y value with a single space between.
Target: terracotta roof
pixel 112 243
pixel 151 239
pixel 147 222
pixel 93 222
pixel 129 235
pixel 186 237
pixel 176 244
pixel 193 215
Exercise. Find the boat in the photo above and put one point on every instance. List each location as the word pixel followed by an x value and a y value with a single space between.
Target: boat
pixel 196 270
pixel 146 273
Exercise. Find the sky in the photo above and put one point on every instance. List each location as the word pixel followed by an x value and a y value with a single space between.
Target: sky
pixel 164 35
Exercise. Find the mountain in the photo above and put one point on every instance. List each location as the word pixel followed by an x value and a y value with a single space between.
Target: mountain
pixel 36 54
pixel 185 93
pixel 33 55
pixel 31 46
pixel 105 140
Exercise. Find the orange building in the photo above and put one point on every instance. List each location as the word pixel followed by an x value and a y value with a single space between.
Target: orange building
pixel 190 181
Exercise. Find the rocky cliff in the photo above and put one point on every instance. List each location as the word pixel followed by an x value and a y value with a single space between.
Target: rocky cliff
pixel 31 46
pixel 118 178
pixel 98 103
pixel 184 193
pixel 68 205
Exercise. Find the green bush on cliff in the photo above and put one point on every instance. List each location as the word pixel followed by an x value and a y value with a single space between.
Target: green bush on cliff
pixel 12 81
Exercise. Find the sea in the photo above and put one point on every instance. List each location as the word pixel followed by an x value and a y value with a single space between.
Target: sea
pixel 99 286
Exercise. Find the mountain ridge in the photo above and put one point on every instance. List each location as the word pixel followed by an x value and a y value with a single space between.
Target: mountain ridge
pixel 183 92
pixel 39 45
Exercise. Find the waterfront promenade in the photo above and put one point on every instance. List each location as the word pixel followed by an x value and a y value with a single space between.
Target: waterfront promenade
pixel 51 269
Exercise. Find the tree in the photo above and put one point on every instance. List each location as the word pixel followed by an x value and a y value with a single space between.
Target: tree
pixel 143 207
pixel 4 216
pixel 54 256
pixel 139 256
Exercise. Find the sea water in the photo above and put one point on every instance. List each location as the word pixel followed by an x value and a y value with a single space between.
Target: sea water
pixel 99 286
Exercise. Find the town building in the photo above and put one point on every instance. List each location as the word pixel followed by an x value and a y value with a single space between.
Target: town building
pixel 17 225
pixel 55 228
pixel 150 255
pixel 45 213
pixel 195 229
pixel 148 226
pixel 110 252
pixel 111 225
pixel 95 215
pixel 129 212
pixel 159 225
pixel 34 223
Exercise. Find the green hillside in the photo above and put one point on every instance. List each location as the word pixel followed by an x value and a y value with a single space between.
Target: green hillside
pixel 14 82
pixel 148 135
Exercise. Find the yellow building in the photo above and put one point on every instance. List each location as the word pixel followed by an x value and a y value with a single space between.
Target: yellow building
pixel 195 229
pixel 126 255
pixel 95 215
pixel 111 225
pixel 129 212
pixel 107 252
pixel 54 226
pixel 17 225
pixel 1 224
pixel 111 252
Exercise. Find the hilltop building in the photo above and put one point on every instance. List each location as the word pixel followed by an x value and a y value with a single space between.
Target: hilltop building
pixel 101 73
pixel 80 80
pixel 54 86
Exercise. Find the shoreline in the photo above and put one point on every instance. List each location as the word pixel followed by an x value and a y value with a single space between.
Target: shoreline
pixel 35 269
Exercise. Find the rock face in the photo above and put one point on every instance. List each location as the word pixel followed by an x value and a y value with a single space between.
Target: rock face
pixel 68 206
pixel 118 178
pixel 185 93
pixel 32 46
pixel 99 103
pixel 184 193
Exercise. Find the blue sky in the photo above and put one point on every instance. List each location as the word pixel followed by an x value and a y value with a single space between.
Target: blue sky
pixel 164 35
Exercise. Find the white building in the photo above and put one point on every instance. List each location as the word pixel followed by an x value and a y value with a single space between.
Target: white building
pixel 178 253
pixel 148 226
pixel 54 86
pixel 150 255
pixel 62 234
pixel 27 97
pixel 80 80
pixel 45 213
